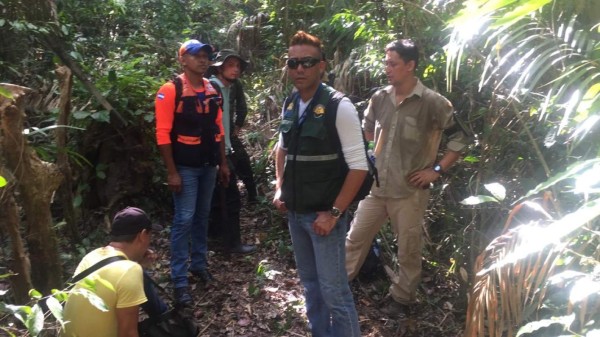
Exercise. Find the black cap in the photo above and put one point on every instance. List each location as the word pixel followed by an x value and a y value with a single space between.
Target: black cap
pixel 131 220
pixel 224 54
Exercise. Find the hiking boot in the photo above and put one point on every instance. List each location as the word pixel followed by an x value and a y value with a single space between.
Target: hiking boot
pixel 204 275
pixel 242 249
pixel 394 309
pixel 183 297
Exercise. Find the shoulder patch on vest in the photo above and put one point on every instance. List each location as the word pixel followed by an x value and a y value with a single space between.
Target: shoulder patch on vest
pixel 319 110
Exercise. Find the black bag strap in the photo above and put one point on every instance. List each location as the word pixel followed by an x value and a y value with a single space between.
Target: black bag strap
pixel 217 87
pixel 95 267
pixel 159 287
pixel 178 91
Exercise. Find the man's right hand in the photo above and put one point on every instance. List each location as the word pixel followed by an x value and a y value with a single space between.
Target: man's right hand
pixel 280 205
pixel 174 182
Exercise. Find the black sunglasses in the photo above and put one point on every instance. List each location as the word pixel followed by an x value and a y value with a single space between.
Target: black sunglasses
pixel 305 62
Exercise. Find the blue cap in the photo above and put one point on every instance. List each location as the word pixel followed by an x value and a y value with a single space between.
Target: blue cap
pixel 193 47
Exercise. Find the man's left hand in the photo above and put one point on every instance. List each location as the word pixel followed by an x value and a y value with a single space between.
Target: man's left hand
pixel 324 223
pixel 422 179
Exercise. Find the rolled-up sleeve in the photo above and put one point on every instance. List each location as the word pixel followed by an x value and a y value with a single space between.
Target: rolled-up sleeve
pixel 368 123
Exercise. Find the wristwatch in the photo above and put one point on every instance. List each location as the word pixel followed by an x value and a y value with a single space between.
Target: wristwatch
pixel 437 168
pixel 335 212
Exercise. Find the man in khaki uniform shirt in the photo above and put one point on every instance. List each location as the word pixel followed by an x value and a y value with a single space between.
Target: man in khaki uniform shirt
pixel 407 120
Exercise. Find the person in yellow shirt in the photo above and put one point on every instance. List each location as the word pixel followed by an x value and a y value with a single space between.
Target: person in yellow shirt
pixel 119 284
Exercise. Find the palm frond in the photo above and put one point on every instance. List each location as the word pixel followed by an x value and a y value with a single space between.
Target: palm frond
pixel 513 271
pixel 528 56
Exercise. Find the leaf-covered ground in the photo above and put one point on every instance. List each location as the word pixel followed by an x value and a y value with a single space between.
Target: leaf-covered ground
pixel 260 294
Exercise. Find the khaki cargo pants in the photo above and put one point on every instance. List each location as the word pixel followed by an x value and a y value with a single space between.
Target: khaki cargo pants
pixel 406 217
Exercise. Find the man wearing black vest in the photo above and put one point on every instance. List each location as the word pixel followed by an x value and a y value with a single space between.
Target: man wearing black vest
pixel 227 69
pixel 320 165
pixel 189 132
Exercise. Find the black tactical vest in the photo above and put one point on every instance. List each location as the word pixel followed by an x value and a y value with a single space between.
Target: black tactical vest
pixel 195 132
pixel 315 169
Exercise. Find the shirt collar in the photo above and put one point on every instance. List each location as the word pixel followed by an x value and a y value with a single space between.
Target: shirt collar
pixel 417 90
pixel 216 79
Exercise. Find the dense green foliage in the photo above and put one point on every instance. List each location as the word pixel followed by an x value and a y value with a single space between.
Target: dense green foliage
pixel 523 76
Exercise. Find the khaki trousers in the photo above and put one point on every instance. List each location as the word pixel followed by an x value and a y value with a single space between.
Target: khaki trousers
pixel 406 218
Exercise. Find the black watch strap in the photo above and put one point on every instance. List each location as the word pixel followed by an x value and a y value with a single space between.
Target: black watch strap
pixel 335 212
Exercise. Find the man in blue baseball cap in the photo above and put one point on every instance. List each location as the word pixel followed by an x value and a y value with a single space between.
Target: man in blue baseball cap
pixel 193 47
pixel 190 137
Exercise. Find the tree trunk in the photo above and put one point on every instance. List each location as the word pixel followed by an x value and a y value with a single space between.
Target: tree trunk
pixel 56 44
pixel 36 182
pixel 19 263
pixel 62 158
pixel 43 13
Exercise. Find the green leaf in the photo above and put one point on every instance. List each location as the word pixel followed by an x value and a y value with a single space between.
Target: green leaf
pixel 471 159
pixel 35 321
pixel 81 114
pixel 2 181
pixel 5 93
pixel 18 25
pixel 531 327
pixel 94 299
pixel 106 284
pixel 525 7
pixel 60 295
pixel 7 275
pixel 583 289
pixel 101 116
pixel 35 294
pixel 570 172
pixel 478 199
pixel 497 190
pixel 56 309
pixel 19 311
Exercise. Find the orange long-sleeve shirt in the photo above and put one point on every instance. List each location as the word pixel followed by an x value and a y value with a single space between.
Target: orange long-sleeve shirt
pixel 164 107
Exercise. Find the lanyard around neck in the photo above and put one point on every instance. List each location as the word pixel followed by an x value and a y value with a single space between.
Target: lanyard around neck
pixel 308 107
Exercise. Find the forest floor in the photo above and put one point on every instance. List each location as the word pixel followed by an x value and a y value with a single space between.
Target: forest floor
pixel 260 294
